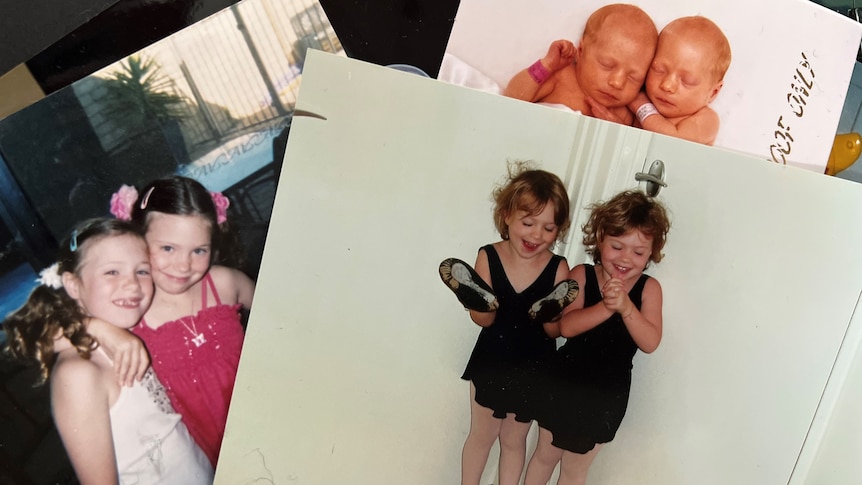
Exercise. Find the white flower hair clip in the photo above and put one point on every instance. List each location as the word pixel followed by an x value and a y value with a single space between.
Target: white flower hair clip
pixel 50 277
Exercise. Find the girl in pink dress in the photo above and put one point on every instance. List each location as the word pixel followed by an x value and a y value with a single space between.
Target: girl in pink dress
pixel 192 329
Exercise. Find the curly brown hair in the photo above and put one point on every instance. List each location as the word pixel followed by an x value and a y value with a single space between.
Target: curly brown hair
pixel 626 211
pixel 529 190
pixel 32 329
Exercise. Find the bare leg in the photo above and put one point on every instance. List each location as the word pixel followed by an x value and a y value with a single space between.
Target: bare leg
pixel 574 467
pixel 543 461
pixel 513 450
pixel 484 430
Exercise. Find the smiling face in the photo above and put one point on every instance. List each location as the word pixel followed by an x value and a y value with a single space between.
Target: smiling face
pixel 532 234
pixel 113 280
pixel 683 76
pixel 180 250
pixel 626 256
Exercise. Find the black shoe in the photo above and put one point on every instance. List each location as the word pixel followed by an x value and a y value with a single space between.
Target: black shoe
pixel 468 286
pixel 550 307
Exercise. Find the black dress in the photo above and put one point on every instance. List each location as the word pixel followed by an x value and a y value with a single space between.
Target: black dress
pixel 507 353
pixel 584 390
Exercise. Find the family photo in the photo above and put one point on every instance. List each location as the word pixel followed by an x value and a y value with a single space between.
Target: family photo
pixel 770 83
pixel 135 207
pixel 360 344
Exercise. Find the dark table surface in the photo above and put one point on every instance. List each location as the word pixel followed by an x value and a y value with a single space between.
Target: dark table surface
pixel 62 45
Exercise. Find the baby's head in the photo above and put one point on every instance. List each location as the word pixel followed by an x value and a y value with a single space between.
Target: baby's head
pixel 530 190
pixel 688 70
pixel 614 54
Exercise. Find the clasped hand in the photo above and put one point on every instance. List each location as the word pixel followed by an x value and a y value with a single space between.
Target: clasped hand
pixel 615 297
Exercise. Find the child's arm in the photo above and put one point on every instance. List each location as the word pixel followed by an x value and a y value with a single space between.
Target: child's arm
pixel 79 402
pixel 577 319
pixel 483 319
pixel 244 288
pixel 700 127
pixel 535 86
pixel 552 328
pixel 234 285
pixel 126 350
pixel 644 325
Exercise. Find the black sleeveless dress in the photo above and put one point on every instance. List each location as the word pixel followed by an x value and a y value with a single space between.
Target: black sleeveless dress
pixel 584 389
pixel 507 353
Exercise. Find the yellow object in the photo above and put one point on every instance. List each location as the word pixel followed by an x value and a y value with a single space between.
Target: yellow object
pixel 845 150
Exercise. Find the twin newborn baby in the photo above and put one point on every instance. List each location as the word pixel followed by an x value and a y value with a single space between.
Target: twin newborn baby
pixel 681 71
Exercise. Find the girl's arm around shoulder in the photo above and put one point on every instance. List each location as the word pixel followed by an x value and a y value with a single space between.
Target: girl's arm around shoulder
pixel 552 329
pixel 128 352
pixel 80 405
pixel 577 319
pixel 233 285
pixel 645 326
pixel 483 269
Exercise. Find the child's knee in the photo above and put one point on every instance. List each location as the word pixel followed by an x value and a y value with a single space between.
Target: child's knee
pixel 483 435
pixel 513 442
pixel 547 455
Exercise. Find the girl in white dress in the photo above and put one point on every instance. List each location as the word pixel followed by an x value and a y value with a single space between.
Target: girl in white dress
pixel 112 434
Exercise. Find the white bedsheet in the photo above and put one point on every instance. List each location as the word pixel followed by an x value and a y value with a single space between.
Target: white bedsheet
pixel 454 70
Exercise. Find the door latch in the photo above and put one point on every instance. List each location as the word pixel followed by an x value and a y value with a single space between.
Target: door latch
pixel 654 178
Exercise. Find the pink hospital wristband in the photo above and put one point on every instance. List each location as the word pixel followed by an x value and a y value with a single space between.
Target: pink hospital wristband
pixel 645 110
pixel 538 72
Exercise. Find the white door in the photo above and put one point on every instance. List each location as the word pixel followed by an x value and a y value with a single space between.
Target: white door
pixel 350 370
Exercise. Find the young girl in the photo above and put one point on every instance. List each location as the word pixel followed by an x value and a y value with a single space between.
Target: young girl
pixel 617 313
pixel 511 276
pixel 112 434
pixel 193 329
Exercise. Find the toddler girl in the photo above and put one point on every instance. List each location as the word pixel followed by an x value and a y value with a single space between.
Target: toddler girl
pixel 517 284
pixel 618 312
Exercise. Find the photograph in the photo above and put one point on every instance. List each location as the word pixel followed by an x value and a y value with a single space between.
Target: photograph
pixel 257 248
pixel 355 364
pixel 770 83
pixel 184 140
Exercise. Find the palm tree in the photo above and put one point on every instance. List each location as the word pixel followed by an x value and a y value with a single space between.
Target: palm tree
pixel 139 98
pixel 140 89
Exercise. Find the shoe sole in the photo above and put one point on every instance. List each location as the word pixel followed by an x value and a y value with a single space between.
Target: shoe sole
pixel 468 286
pixel 549 307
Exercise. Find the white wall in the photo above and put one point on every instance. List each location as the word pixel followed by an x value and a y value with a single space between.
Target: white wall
pixel 838 456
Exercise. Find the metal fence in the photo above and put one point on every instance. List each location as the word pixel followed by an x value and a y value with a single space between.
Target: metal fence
pixel 237 71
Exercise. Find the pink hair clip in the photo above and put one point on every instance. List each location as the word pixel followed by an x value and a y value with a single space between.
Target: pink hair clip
pixel 221 204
